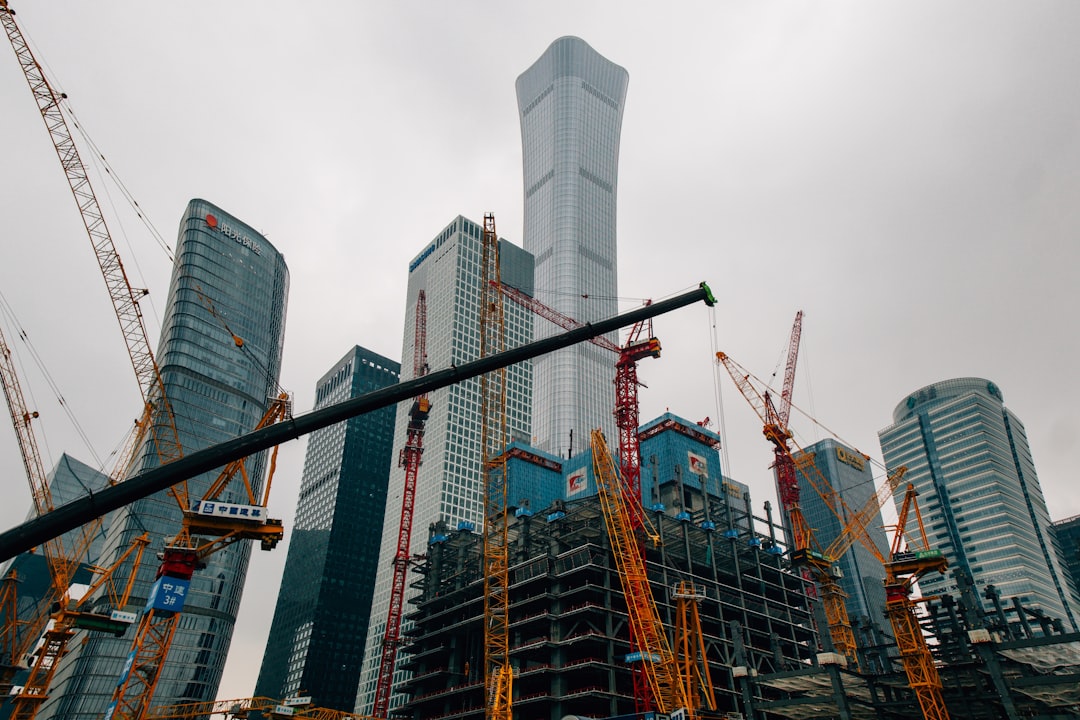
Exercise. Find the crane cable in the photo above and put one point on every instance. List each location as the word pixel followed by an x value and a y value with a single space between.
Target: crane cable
pixel 12 320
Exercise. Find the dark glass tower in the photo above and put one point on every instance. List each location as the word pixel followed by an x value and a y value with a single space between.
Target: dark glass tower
pixel 227 279
pixel 317 638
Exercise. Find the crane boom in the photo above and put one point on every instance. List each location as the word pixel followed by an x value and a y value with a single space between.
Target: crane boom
pixel 409 459
pixel 784 411
pixel 125 299
pixel 653 652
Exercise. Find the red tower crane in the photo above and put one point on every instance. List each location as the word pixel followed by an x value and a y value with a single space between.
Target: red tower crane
pixel 409 459
pixel 640 344
pixel 776 424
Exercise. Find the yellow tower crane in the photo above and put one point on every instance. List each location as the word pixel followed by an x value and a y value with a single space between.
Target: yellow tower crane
pixel 498 675
pixel 157 416
pixel 666 683
pixel 67 614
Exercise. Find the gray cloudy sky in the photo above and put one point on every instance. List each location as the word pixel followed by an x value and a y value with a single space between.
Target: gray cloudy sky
pixel 907 173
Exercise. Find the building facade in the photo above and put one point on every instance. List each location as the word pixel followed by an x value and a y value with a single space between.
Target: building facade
pixel 1067 535
pixel 449 483
pixel 849 475
pixel 227 280
pixel 316 642
pixel 969 459
pixel 570 104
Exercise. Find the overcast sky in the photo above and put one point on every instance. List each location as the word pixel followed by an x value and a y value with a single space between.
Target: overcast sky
pixel 907 173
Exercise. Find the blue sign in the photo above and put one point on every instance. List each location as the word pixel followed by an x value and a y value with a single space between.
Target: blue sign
pixel 169 593
pixel 110 710
pixel 127 668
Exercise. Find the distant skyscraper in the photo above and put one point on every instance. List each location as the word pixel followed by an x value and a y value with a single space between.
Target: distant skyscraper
pixel 1067 535
pixel 850 476
pixel 570 104
pixel 316 642
pixel 217 392
pixel 449 484
pixel 969 459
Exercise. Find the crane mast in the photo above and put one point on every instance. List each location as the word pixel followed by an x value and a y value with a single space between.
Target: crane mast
pixel 409 459
pixel 902 569
pixel 207 527
pixel 20 634
pixel 498 675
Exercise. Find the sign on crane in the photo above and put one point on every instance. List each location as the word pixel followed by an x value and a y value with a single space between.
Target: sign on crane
pixel 208 525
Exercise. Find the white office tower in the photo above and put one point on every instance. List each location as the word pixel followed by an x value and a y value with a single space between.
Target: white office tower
pixel 571 104
pixel 449 483
pixel 982 505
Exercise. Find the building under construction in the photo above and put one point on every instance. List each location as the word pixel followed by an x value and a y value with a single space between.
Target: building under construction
pixel 569 633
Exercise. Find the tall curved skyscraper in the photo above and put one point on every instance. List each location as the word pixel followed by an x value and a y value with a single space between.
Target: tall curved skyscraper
pixel 570 104
pixel 217 391
pixel 982 505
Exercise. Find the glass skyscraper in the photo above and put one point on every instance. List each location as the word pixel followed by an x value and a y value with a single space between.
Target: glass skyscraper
pixel 449 483
pixel 316 641
pixel 218 391
pixel 969 459
pixel 570 104
pixel 849 475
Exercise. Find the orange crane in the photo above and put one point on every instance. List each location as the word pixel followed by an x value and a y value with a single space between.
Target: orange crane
pixel 494 436
pixel 157 416
pixel 640 344
pixel 805 549
pixel 661 667
pixel 73 615
pixel 903 568
pixel 690 646
pixel 208 525
pixel 70 615
pixel 409 458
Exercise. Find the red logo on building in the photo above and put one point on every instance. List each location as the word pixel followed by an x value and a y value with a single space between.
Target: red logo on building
pixel 211 221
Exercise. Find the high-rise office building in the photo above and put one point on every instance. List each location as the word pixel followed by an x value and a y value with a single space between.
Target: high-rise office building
pixel 316 641
pixel 1067 537
pixel 968 457
pixel 68 481
pixel 449 484
pixel 570 104
pixel 227 279
pixel 849 475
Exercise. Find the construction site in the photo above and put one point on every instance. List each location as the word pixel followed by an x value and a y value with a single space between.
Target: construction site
pixel 635 581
